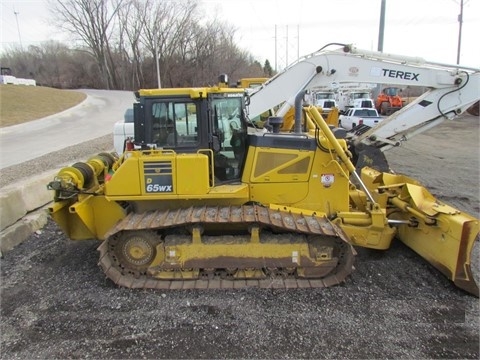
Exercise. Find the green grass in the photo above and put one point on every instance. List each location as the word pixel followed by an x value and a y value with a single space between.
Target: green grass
pixel 19 103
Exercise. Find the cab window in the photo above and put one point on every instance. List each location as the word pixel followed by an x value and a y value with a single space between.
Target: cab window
pixel 175 124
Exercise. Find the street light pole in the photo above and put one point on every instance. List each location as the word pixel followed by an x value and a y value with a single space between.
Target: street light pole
pixel 18 27
pixel 157 62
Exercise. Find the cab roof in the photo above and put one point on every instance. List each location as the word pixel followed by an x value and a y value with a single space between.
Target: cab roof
pixel 194 93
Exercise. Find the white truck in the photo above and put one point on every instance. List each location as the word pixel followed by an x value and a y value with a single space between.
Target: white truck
pixel 354 95
pixel 347 99
pixel 122 130
pixel 325 99
pixel 359 116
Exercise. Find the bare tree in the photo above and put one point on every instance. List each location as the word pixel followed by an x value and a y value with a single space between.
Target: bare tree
pixel 165 26
pixel 213 51
pixel 54 64
pixel 49 62
pixel 131 25
pixel 93 21
pixel 115 43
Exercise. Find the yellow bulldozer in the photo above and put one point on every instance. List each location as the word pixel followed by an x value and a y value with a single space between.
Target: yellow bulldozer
pixel 203 198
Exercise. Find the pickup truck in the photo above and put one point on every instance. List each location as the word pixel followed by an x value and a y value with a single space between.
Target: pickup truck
pixel 359 116
pixel 122 130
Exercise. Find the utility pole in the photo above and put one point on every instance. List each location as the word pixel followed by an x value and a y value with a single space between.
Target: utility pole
pixel 298 41
pixel 460 22
pixel 286 49
pixel 276 48
pixel 381 29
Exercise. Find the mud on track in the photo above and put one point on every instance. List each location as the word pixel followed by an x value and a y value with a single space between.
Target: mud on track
pixel 56 303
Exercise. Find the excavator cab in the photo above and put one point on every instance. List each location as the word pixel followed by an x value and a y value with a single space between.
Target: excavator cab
pixel 391 91
pixel 192 120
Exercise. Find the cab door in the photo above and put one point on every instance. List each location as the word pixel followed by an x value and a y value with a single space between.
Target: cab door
pixel 228 136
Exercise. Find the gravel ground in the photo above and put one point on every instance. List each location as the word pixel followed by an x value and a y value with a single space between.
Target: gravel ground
pixel 56 303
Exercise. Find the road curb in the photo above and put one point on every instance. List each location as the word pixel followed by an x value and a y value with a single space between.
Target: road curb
pixel 22 209
pixel 22 229
pixel 24 197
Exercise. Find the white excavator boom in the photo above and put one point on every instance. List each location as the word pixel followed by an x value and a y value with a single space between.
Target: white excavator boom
pixel 451 88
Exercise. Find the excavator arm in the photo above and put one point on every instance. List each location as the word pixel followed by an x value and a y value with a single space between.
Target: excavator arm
pixel 452 89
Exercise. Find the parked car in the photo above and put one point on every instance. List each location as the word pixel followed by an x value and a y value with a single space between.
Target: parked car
pixel 359 116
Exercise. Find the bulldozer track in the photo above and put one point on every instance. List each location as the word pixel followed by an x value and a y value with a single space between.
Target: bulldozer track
pixel 228 216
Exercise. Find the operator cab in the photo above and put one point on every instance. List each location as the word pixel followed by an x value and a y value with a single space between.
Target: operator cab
pixel 392 91
pixel 190 120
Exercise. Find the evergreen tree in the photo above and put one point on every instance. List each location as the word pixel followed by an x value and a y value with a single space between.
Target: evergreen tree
pixel 267 69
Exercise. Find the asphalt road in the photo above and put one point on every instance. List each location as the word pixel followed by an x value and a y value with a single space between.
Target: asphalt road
pixel 92 118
